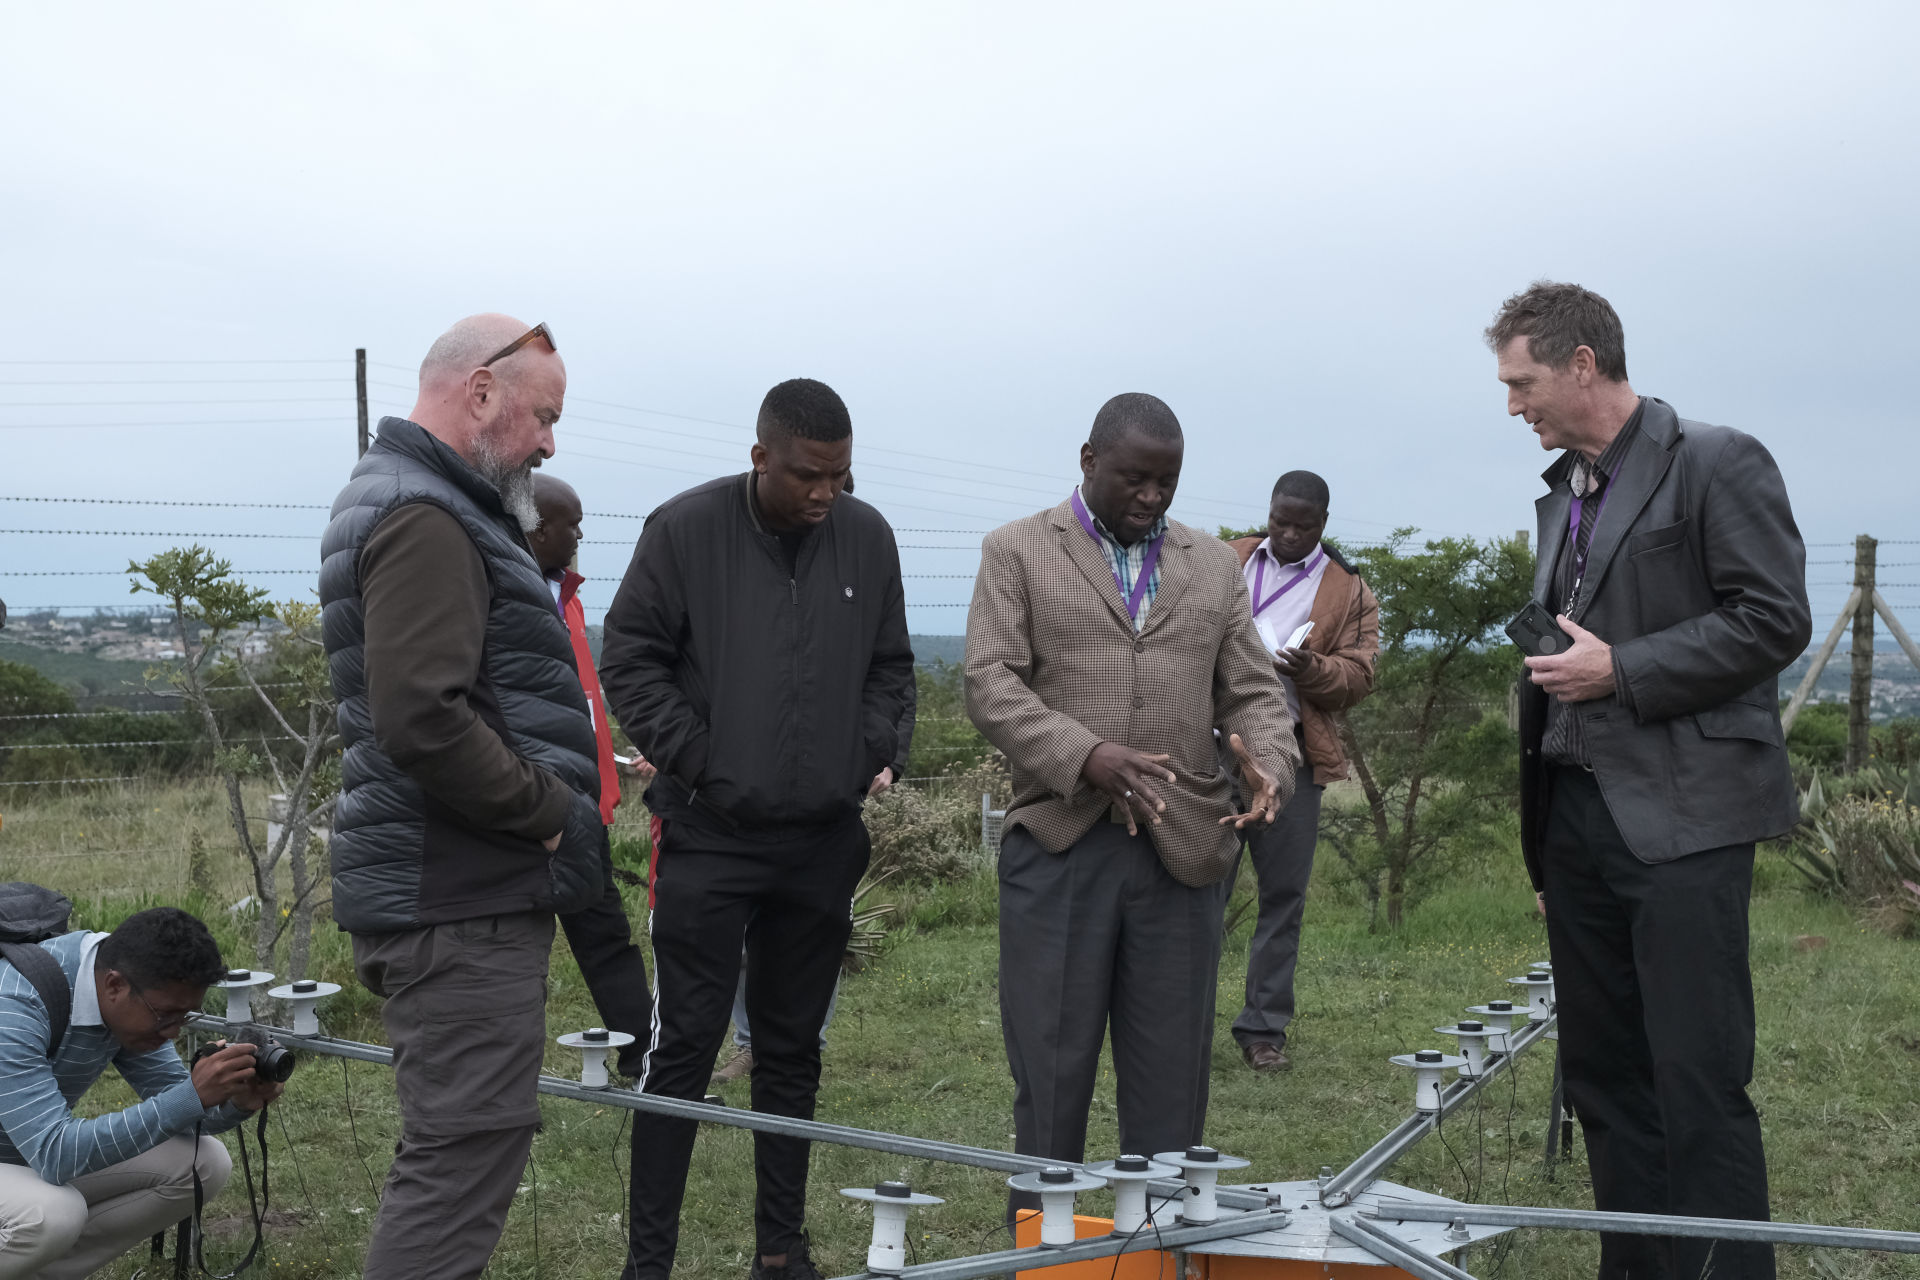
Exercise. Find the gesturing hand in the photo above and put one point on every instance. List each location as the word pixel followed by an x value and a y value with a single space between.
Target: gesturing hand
pixel 1581 674
pixel 1257 783
pixel 1128 776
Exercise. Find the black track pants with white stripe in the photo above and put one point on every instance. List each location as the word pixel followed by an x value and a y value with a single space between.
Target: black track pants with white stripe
pixel 790 903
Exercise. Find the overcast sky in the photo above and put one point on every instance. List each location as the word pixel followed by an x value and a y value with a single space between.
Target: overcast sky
pixel 976 221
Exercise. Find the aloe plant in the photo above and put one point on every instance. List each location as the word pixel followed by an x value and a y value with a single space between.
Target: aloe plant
pixel 870 923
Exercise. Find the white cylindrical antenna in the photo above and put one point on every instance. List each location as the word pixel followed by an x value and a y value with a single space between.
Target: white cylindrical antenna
pixel 1057 1185
pixel 1546 967
pixel 1202 1167
pixel 1499 1016
pixel 1129 1176
pixel 593 1044
pixel 305 997
pixel 240 984
pixel 1539 988
pixel 1472 1036
pixel 1429 1067
pixel 887 1254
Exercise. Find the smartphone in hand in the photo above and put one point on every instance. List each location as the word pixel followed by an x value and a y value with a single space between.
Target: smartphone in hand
pixel 1537 634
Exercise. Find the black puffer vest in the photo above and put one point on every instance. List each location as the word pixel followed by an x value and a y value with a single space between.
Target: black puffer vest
pixel 402 860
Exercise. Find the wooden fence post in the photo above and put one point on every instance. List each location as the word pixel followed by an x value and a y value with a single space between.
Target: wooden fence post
pixel 1860 690
pixel 360 395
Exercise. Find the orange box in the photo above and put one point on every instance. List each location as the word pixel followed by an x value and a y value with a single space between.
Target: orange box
pixel 1153 1264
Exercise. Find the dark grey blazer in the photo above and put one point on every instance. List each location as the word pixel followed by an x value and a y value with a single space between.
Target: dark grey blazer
pixel 1697 578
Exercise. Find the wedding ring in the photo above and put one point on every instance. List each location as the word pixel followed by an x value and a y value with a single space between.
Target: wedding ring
pixel 1127 796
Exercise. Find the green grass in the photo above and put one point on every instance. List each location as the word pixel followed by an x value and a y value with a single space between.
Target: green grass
pixel 916 1049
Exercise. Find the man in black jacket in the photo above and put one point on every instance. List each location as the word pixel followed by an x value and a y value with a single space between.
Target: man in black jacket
pixel 1651 761
pixel 757 654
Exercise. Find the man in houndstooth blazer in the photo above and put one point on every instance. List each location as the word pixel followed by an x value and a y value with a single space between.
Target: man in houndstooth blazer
pixel 1105 644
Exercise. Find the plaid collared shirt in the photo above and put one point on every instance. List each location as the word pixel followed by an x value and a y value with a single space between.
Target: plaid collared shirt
pixel 1126 562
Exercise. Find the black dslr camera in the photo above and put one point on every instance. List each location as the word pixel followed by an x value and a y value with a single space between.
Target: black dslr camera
pixel 272 1061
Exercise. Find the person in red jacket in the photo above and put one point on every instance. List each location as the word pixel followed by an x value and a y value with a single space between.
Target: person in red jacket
pixel 601 936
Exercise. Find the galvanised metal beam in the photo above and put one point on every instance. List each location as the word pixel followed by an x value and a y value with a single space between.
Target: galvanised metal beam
pixel 1349 1182
pixel 1166 1238
pixel 788 1126
pixel 1653 1224
pixel 1394 1251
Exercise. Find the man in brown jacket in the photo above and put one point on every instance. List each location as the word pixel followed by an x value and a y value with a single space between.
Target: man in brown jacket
pixel 1104 646
pixel 1293 579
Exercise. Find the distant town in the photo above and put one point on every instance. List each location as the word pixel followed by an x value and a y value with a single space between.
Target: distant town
pixel 147 636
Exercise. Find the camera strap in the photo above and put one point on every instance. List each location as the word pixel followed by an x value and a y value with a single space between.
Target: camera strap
pixel 258 1207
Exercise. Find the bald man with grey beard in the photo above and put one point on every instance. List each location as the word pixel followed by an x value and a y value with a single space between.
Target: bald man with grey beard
pixel 469 805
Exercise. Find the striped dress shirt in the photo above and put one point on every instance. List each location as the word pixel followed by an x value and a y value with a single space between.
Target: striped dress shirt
pixel 37 1125
pixel 1564 741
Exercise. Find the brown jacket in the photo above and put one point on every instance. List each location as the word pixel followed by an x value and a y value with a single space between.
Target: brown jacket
pixel 1053 668
pixel 1345 644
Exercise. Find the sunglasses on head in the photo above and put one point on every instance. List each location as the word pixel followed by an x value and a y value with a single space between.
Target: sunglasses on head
pixel 538 331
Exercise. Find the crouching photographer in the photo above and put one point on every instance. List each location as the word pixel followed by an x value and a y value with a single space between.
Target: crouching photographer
pixel 75 1194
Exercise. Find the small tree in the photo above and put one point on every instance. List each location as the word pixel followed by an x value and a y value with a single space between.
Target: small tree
pixel 208 606
pixel 1431 749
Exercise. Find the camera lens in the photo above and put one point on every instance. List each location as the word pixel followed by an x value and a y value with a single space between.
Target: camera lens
pixel 273 1062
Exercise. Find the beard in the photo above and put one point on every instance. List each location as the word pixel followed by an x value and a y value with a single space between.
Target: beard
pixel 511 479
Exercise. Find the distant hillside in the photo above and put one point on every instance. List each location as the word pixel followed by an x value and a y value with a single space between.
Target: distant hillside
pixel 947 649
pixel 1896 685
pixel 82 673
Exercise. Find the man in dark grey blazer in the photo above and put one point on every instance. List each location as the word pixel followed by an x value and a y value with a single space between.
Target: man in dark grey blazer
pixel 1651 761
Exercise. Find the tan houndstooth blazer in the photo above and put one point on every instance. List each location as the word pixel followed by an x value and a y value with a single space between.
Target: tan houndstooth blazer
pixel 1053 668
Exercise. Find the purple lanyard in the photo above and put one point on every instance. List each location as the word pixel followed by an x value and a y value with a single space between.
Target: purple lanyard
pixel 1146 566
pixel 1579 552
pixel 1260 576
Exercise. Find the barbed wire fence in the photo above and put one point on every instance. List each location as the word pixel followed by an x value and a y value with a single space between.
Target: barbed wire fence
pixel 90 396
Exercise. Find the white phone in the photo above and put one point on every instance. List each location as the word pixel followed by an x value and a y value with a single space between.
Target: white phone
pixel 1299 637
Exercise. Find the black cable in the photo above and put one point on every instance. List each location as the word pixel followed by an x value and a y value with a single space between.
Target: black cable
pixel 346 1088
pixel 533 1167
pixel 1503 1252
pixel 1006 1225
pixel 619 1170
pixel 1157 1237
pixel 1479 1138
pixel 1440 1132
pixel 300 1175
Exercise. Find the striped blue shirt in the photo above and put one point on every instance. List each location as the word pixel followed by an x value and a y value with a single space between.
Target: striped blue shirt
pixel 37 1125
pixel 1126 562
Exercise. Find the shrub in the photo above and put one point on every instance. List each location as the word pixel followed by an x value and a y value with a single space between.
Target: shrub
pixel 1861 843
pixel 933 833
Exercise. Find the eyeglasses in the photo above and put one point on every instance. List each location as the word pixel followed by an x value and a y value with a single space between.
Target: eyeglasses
pixel 161 1021
pixel 538 331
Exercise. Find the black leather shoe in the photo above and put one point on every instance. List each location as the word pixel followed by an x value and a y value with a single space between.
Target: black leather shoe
pixel 799 1264
pixel 1264 1056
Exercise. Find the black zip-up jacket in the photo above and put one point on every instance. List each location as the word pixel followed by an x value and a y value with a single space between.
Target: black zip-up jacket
pixel 768 699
